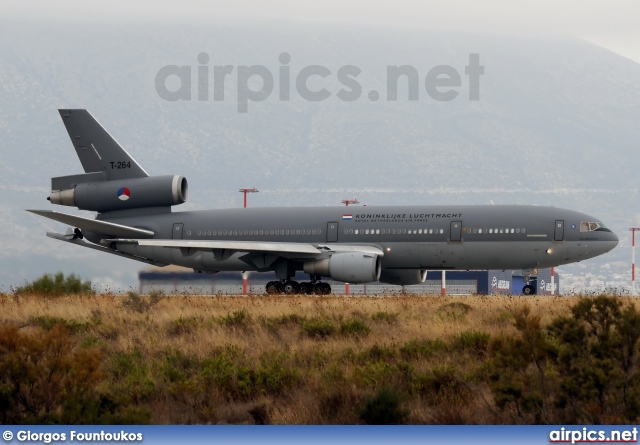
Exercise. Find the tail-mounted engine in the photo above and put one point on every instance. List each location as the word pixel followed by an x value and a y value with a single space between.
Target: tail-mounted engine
pixel 91 191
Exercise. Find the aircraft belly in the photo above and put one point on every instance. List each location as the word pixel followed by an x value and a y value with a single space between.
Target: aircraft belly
pixel 488 255
pixel 503 255
pixel 457 256
pixel 191 258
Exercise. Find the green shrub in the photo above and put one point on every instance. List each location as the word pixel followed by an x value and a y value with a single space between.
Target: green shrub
pixel 376 353
pixel 438 383
pixel 384 408
pixel 46 379
pixel 289 320
pixel 456 310
pixel 374 374
pixel 471 341
pixel 354 327
pixel 135 302
pixel 48 322
pixel 415 349
pixel 133 379
pixel 183 325
pixel 318 329
pixel 582 368
pixel 384 316
pixel 240 318
pixel 56 285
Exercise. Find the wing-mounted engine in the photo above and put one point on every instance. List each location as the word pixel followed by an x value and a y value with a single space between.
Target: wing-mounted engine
pixel 92 191
pixel 349 267
pixel 403 277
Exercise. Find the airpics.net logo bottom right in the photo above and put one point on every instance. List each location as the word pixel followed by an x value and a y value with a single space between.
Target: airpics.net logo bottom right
pixel 255 83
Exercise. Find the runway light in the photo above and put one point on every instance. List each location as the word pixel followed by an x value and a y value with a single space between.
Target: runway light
pixel 549 251
pixel 388 249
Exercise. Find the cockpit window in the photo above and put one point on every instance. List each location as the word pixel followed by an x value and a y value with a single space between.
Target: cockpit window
pixel 586 226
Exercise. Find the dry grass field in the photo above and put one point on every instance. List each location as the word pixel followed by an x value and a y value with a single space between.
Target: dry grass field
pixel 312 360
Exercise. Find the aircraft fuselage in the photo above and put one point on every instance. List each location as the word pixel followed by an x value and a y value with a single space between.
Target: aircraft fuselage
pixel 411 237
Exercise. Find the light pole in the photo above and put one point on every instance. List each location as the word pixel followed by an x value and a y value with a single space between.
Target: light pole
pixel 633 259
pixel 245 191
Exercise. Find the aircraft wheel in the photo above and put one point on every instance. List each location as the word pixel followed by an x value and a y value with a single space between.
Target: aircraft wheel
pixel 272 287
pixel 314 288
pixel 305 288
pixel 528 290
pixel 290 287
pixel 324 288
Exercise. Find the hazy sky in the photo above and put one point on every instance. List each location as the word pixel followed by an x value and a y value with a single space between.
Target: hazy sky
pixel 613 24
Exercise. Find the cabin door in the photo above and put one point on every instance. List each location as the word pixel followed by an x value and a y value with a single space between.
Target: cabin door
pixel 558 234
pixel 456 231
pixel 177 231
pixel 332 232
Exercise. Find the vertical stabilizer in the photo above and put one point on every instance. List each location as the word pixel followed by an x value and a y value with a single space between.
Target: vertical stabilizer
pixel 97 149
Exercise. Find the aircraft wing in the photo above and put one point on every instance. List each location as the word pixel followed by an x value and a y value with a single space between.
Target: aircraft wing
pixel 282 249
pixel 94 225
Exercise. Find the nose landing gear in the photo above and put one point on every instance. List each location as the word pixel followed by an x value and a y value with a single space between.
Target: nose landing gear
pixel 528 289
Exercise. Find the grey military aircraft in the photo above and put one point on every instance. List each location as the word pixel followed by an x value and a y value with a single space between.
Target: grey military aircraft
pixel 390 244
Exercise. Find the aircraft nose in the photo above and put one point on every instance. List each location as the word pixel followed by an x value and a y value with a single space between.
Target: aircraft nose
pixel 609 242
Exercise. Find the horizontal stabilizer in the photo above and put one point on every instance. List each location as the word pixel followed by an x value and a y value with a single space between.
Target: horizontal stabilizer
pixel 81 243
pixel 94 225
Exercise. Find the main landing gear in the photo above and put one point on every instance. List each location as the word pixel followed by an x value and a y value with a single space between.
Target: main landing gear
pixel 293 287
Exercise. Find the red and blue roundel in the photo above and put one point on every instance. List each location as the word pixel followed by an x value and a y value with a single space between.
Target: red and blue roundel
pixel 123 193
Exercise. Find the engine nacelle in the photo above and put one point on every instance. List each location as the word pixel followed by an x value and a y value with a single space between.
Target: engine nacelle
pixel 348 267
pixel 403 277
pixel 123 194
